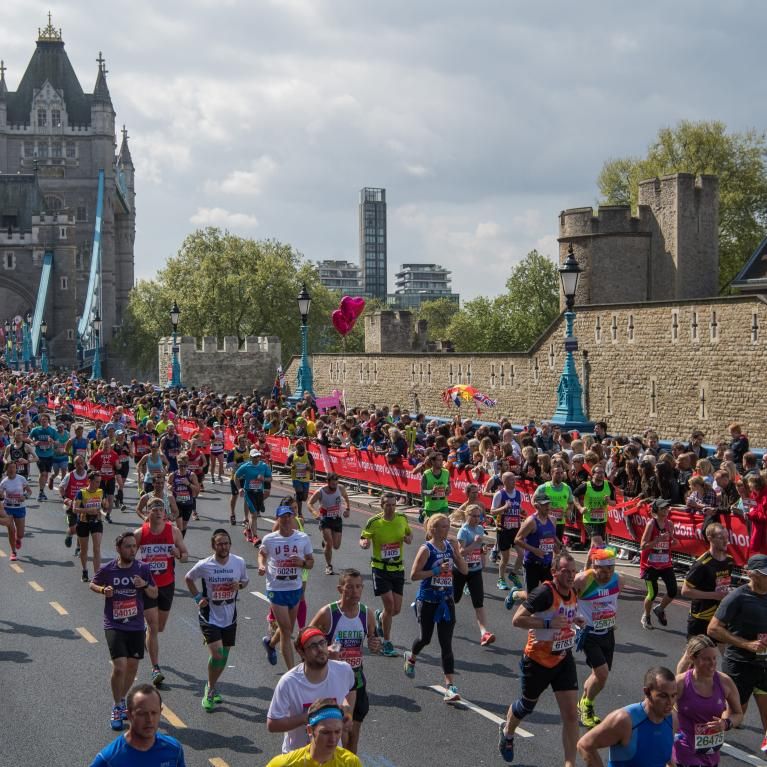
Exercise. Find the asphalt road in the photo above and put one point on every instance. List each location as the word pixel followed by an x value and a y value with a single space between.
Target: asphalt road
pixel 54 664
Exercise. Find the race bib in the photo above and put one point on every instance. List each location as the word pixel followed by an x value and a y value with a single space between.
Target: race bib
pixel 254 484
pixel 444 581
pixel 598 515
pixel 301 471
pixel 723 583
pixel 332 511
pixel 286 569
pixel 658 558
pixel 556 515
pixel 183 496
pixel 547 545
pixel 390 551
pixel 124 609
pixel 352 655
pixel 106 470
pixel 221 592
pixel 81 451
pixel 157 565
pixel 13 501
pixel 474 557
pixel 603 619
pixel 563 640
pixel 707 740
pixel 509 522
pixel 438 491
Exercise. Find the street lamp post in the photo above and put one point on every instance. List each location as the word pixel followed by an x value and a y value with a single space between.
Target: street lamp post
pixel 569 413
pixel 11 333
pixel 44 346
pixel 26 342
pixel 175 376
pixel 7 343
pixel 304 382
pixel 96 370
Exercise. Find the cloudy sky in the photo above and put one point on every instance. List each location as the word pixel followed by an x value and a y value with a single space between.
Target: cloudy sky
pixel 482 120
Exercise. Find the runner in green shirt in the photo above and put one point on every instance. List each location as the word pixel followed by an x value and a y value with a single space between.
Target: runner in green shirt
pixel 435 487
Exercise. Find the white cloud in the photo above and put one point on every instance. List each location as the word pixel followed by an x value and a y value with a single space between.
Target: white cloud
pixel 487 230
pixel 244 182
pixel 419 171
pixel 223 218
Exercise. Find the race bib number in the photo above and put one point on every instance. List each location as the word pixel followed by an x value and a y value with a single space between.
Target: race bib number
pixel 301 471
pixel 107 470
pixel 157 565
pixel 172 453
pixel 706 740
pixel 254 484
pixel 286 569
pixel 332 512
pixel 603 619
pixel 183 496
pixel 81 451
pixel 563 640
pixel 556 515
pixel 474 557
pixel 124 609
pixel 352 655
pixel 438 491
pixel 547 545
pixel 390 551
pixel 598 515
pixel 13 501
pixel 222 592
pixel 509 522
pixel 444 581
pixel 658 558
pixel 723 583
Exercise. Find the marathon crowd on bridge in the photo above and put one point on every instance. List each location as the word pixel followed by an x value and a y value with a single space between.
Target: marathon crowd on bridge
pixel 321 701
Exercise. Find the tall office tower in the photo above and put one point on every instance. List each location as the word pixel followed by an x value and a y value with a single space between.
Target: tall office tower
pixel 373 242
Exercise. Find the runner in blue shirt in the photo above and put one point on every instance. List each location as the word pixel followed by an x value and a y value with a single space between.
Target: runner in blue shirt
pixel 43 436
pixel 253 480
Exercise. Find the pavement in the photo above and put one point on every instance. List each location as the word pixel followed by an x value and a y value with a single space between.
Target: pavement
pixel 54 663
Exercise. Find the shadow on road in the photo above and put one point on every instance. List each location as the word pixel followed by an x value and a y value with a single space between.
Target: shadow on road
pixel 632 649
pixel 37 631
pixel 12 656
pixel 394 701
pixel 206 740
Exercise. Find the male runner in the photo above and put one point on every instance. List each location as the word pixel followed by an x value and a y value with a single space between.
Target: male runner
pixel 121 581
pixel 105 461
pixel 598 589
pixel 160 544
pixel 69 487
pixel 184 488
pixel 170 446
pixel 435 487
pixel 141 444
pixel 88 505
pixel 301 465
pixel 14 490
pixel 253 481
pixel 222 576
pixel 592 499
pixel 507 509
pixel 346 624
pixel 235 458
pixel 77 445
pixel 387 531
pixel 43 437
pixel 549 614
pixel 329 498
pixel 561 497
pixel 60 455
pixel 21 453
pixel 639 735
pixel 122 447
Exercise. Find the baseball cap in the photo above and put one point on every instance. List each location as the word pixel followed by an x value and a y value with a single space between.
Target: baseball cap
pixel 282 511
pixel 254 453
pixel 540 496
pixel 660 503
pixel 757 563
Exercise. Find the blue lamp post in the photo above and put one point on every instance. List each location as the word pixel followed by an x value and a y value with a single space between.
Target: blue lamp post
pixel 44 346
pixel 304 381
pixel 96 370
pixel 175 374
pixel 7 340
pixel 569 413
pixel 11 333
pixel 26 342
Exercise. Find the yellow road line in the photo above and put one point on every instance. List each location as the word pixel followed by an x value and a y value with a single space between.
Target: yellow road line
pixel 17 568
pixel 58 608
pixel 86 635
pixel 2 554
pixel 172 719
pixel 216 761
pixel 35 585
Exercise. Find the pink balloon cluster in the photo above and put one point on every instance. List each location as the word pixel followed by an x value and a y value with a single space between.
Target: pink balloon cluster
pixel 345 317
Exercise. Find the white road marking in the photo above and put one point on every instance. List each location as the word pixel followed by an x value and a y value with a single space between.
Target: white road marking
pixel 260 595
pixel 483 712
pixel 742 756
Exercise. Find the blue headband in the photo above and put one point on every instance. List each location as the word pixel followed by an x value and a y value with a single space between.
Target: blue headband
pixel 325 713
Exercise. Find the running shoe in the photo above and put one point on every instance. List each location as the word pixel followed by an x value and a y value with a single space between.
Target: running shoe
pixel 329 570
pixel 195 516
pixel 68 541
pixel 487 638
pixel 123 507
pixel 124 710
pixel 116 720
pixel 515 579
pixel 208 703
pixel 248 535
pixel 157 676
pixel 77 550
pixel 18 543
pixel 271 653
pixel 466 591
pixel 85 577
pixel 763 747
pixel 409 664
pixel 421 517
pixel 217 697
pixel 505 745
pixel 379 623
pixel 502 585
pixel 14 557
pixel 232 520
pixel 586 714
pixel 660 614
pixel 41 496
pixel 388 650
pixel 44 496
pixel 511 598
pixel 494 556
pixel 109 518
pixel 451 694
pixel 256 541
pixel 646 622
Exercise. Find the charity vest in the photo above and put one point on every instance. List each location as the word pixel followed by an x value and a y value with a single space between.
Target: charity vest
pixel 300 468
pixel 598 603
pixel 155 550
pixel 91 504
pixel 549 647
pixel 349 634
pixel 75 484
pixel 182 487
pixel 437 501
pixel 595 504
pixel 330 504
pixel 510 519
pixel 559 498
pixel 658 557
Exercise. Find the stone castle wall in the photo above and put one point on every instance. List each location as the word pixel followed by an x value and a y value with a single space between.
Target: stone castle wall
pixel 670 365
pixel 227 368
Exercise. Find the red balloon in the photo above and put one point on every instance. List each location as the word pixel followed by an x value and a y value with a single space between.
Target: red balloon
pixel 340 323
pixel 352 307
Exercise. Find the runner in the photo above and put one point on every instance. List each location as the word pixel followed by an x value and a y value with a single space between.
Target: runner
pixel 43 437
pixel 88 505
pixel 142 742
pixel 122 468
pixel 14 490
pixel 433 567
pixel 235 458
pixel 197 461
pixel 507 508
pixel 435 487
pixel 204 435
pixel 639 735
pixel 387 531
pixel 655 562
pixel 141 445
pixel 184 487
pixel 217 453
pixel 21 453
pixel 152 465
pixel 317 677
pixel 561 497
pixel 60 456
pixel 598 589
pixel 329 498
pixel 281 555
pixel 707 583
pixel 592 499
pixel 77 445
pixel 253 481
pixel 160 544
pixel 120 581
pixel 159 491
pixel 222 576
pixel 170 446
pixel 69 487
pixel 105 461
pixel 471 545
pixel 345 624
pixel 740 622
pixel 325 724
pixel 549 615
pixel 707 704
pixel 301 465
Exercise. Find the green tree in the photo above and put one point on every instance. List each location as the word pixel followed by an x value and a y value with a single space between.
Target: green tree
pixel 438 314
pixel 738 159
pixel 229 286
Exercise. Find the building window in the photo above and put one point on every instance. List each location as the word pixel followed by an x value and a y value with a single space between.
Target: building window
pixel 70 334
pixel 703 406
pixel 630 327
pixel 552 356
pixel 614 328
pixel 754 328
pixel 375 372
pixel 460 373
pixel 428 372
pixel 608 401
pixel 29 149
pixel 53 204
pixel 42 150
pixel 420 372
pixel 468 372
pixel 62 233
pixel 503 377
pixel 598 329
pixel 714 327
pixel 694 326
pixel 64 283
pixel 9 260
pixel 412 373
pixel 56 149
pixel 82 213
pixel 71 151
pixel 492 375
pixel 511 375
pixel 56 118
pixel 653 397
pixel 674 325
pixel 536 371
pixel 42 118
pixel 360 372
pixel 450 372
